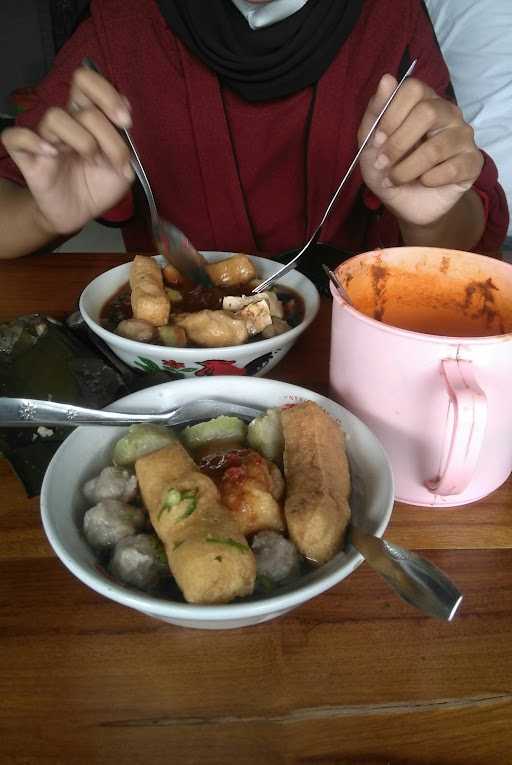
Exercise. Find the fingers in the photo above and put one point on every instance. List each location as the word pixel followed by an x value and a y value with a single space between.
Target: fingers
pixel 22 140
pixel 421 136
pixel 88 133
pixel 87 128
pixel 89 88
pixel 375 105
pixel 108 140
pixel 412 93
pixel 25 147
pixel 462 170
pixel 59 128
pixel 426 155
pixel 425 119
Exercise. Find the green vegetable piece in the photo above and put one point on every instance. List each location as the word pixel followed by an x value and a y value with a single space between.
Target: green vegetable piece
pixel 191 496
pixel 223 428
pixel 173 498
pixel 229 542
pixel 265 435
pixel 174 295
pixel 139 441
pixel 172 336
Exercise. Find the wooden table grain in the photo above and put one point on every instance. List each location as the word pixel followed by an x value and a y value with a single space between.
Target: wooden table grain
pixel 355 676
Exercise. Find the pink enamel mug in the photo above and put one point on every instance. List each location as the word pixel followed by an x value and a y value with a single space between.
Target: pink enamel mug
pixel 423 355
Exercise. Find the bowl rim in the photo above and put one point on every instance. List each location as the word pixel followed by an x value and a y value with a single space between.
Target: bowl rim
pixel 311 303
pixel 169 609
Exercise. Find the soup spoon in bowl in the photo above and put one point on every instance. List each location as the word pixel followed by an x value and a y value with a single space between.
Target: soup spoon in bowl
pixel 413 578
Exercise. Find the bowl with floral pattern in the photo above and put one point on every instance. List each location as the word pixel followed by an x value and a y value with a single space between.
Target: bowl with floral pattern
pixel 255 358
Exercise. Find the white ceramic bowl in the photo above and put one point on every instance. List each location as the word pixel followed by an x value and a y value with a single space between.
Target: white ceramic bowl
pixel 88 449
pixel 253 359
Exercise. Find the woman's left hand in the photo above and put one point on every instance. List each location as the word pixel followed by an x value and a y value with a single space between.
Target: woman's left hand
pixel 423 157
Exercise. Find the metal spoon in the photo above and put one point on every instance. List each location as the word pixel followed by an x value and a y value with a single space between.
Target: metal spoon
pixel 316 233
pixel 416 580
pixel 170 241
pixel 339 287
pixel 28 412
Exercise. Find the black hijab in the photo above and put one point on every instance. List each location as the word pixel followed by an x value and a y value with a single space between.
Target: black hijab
pixel 263 64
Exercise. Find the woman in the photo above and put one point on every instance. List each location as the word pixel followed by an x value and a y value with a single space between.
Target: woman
pixel 481 74
pixel 246 117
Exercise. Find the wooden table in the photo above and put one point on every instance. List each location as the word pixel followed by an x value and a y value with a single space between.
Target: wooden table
pixel 354 676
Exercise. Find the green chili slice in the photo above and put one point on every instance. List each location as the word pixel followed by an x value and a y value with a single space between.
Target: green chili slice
pixel 230 542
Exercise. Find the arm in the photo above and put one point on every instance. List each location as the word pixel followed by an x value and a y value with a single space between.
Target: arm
pixel 481 74
pixel 424 163
pixel 461 228
pixel 64 163
pixel 22 229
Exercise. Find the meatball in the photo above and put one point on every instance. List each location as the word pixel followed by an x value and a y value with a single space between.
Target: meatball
pixel 140 561
pixel 111 483
pixel 277 558
pixel 136 329
pixel 277 327
pixel 109 521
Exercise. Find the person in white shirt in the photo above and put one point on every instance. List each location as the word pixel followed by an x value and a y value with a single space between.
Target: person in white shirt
pixel 475 37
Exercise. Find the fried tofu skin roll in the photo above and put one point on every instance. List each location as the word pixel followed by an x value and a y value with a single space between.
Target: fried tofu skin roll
pixel 207 554
pixel 150 301
pixel 238 269
pixel 317 479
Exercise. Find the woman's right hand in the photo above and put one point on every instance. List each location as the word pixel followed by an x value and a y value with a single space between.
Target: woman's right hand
pixel 76 164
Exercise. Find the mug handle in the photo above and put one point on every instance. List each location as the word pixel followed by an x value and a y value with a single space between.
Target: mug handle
pixel 463 442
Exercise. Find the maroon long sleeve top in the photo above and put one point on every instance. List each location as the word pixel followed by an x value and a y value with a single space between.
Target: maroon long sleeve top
pixel 247 176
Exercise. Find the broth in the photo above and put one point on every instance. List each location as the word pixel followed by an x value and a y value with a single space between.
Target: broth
pixel 197 298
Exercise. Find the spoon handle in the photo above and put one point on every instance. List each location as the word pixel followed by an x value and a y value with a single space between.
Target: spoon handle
pixel 138 168
pixel 415 579
pixel 27 412
pixel 171 243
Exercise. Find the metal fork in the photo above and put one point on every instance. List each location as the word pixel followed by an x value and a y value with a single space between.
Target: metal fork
pixel 316 233
pixel 170 242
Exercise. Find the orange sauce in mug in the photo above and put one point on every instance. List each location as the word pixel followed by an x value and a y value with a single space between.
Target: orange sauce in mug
pixel 430 303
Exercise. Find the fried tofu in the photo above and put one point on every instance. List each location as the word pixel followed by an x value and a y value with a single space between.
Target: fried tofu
pixel 213 329
pixel 251 490
pixel 317 479
pixel 207 554
pixel 256 317
pixel 238 269
pixel 150 301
